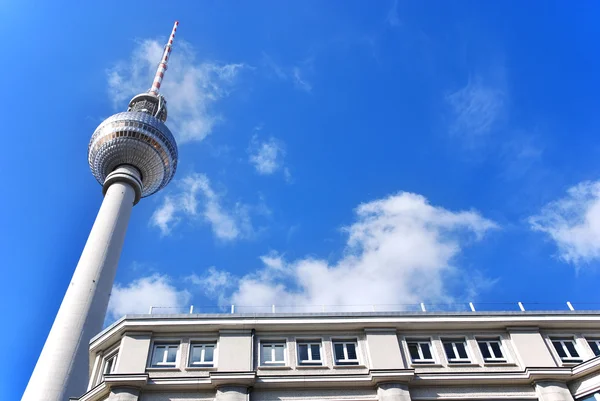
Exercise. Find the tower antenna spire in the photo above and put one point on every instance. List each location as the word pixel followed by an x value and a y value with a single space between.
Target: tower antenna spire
pixel 162 66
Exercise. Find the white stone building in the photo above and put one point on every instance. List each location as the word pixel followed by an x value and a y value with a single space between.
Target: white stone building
pixel 547 356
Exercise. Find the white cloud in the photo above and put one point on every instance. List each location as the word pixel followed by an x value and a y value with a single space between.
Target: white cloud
pixel 573 223
pixel 267 156
pixel 476 108
pixel 197 199
pixel 214 283
pixel 141 294
pixel 190 87
pixel 400 250
pixel 164 217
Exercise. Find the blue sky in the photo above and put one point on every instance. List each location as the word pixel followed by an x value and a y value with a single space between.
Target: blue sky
pixel 340 152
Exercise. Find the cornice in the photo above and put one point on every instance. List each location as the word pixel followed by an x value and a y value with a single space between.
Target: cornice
pixel 514 322
pixel 358 380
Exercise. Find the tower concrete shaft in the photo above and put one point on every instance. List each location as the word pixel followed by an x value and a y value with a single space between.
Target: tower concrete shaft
pixel 62 369
pixel 132 154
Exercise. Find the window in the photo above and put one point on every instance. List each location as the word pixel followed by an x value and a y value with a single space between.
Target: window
pixel 595 346
pixel 491 350
pixel 565 348
pixel 420 351
pixel 309 353
pixel 456 351
pixel 164 355
pixel 345 352
pixel 110 364
pixel 272 353
pixel 202 354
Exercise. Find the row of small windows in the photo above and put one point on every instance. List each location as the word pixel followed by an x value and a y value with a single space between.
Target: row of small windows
pixel 491 349
pixel 345 352
pixel 166 355
pixel 271 353
pixel 309 353
pixel 456 350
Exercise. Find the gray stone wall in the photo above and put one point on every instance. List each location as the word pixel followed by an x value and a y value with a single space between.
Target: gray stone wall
pixel 315 394
pixel 177 396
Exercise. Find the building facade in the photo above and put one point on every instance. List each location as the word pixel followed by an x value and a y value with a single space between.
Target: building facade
pixel 547 356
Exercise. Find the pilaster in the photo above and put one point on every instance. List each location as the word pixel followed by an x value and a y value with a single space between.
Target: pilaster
pixel 393 392
pixel 232 393
pixel 552 391
pixel 124 394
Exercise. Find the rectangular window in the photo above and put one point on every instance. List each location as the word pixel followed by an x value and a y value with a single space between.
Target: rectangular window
pixel 491 350
pixel 420 351
pixel 110 364
pixel 595 346
pixel 164 355
pixel 309 353
pixel 272 353
pixel 566 350
pixel 345 352
pixel 456 351
pixel 202 354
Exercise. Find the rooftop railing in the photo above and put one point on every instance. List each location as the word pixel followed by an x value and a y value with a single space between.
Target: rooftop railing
pixel 420 307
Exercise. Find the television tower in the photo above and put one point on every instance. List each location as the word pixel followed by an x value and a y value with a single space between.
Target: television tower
pixel 132 155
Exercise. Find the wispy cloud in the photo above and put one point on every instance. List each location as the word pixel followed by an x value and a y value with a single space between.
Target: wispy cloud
pixel 273 66
pixel 214 284
pixel 399 250
pixel 299 81
pixel 191 87
pixel 267 156
pixel 520 154
pixel 296 73
pixel 573 223
pixel 477 108
pixel 197 199
pixel 138 296
pixel 392 17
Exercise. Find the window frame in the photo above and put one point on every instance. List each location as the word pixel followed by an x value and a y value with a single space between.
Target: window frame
pixel 309 343
pixel 562 340
pixel 167 344
pixel 203 344
pixel 596 342
pixel 345 361
pixel 454 341
pixel 272 344
pixel 419 342
pixel 488 341
pixel 113 356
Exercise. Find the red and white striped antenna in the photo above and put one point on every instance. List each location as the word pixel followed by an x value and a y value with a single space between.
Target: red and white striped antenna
pixel 162 67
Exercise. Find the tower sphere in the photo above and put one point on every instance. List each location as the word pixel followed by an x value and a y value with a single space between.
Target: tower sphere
pixel 135 138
